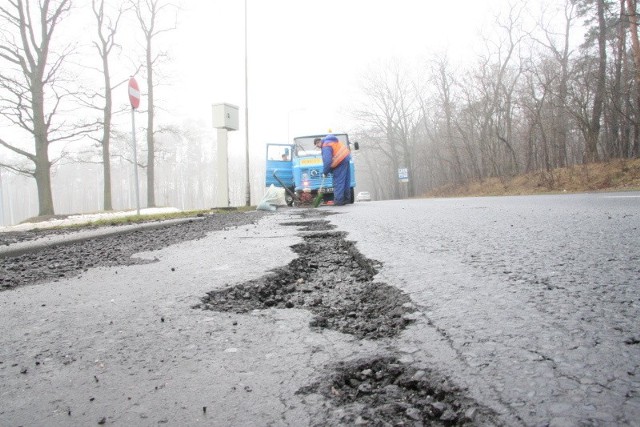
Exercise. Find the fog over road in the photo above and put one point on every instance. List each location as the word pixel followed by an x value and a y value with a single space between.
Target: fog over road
pixel 530 305
pixel 533 302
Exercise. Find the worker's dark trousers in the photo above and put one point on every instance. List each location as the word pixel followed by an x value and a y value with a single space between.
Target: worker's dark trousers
pixel 342 183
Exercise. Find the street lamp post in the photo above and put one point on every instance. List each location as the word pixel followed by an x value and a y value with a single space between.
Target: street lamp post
pixel 1 201
pixel 246 110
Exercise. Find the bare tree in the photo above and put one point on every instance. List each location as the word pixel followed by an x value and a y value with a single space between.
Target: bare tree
pixel 500 74
pixel 106 42
pixel 596 77
pixel 149 14
pixel 443 81
pixel 33 87
pixel 555 82
pixel 598 101
pixel 391 118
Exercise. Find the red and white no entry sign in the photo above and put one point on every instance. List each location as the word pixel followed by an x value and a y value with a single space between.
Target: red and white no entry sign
pixel 134 93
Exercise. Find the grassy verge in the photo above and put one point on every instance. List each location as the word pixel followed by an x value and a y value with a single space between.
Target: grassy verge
pixel 616 175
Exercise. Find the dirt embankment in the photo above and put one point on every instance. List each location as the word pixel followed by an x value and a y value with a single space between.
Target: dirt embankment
pixel 616 175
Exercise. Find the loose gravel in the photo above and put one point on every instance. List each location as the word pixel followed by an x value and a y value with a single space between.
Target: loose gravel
pixel 386 392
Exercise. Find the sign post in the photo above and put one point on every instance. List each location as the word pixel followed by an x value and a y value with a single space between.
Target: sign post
pixel 1 201
pixel 225 118
pixel 134 99
pixel 403 174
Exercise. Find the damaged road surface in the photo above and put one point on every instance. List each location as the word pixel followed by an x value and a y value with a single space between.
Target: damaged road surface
pixel 331 279
pixel 515 311
pixel 290 328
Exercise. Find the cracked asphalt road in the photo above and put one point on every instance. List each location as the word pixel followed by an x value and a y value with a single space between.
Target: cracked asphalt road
pixel 121 344
pixel 532 303
pixel 528 306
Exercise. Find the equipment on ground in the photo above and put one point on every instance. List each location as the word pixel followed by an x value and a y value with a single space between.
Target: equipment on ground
pixel 291 194
pixel 320 195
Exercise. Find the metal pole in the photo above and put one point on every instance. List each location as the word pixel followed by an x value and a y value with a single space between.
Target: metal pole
pixel 1 200
pixel 246 109
pixel 135 158
pixel 223 170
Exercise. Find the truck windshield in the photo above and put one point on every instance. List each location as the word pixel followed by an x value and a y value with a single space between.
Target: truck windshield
pixel 305 147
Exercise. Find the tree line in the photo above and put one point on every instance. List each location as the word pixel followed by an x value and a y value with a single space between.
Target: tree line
pixel 551 88
pixel 544 94
pixel 40 92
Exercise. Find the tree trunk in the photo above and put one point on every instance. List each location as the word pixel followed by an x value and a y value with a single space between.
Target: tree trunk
pixel 151 198
pixel 591 149
pixel 635 45
pixel 617 99
pixel 393 156
pixel 563 119
pixel 448 111
pixel 106 137
pixel 42 175
pixel 106 162
pixel 42 171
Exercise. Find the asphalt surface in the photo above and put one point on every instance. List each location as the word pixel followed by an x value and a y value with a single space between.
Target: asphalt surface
pixel 530 302
pixel 527 307
pixel 123 345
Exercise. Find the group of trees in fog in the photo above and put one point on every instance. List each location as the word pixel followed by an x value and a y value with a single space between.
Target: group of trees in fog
pixel 552 88
pixel 537 99
pixel 41 97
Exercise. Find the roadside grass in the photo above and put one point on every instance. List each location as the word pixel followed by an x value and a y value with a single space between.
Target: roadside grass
pixel 165 216
pixel 615 175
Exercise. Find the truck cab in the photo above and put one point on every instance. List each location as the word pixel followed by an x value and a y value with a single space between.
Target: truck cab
pixel 298 168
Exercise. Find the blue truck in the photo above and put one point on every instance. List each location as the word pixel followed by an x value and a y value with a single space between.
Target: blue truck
pixel 297 168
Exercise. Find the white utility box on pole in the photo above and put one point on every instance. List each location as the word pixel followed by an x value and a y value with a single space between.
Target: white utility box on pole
pixel 225 118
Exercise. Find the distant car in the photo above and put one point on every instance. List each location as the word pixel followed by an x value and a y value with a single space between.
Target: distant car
pixel 363 196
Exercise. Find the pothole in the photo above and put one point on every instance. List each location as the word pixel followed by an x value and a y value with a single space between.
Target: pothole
pixel 333 280
pixel 386 392
pixel 311 225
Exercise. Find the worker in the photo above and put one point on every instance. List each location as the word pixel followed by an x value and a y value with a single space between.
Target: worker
pixel 335 160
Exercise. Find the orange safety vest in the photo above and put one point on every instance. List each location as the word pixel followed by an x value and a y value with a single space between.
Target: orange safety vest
pixel 340 152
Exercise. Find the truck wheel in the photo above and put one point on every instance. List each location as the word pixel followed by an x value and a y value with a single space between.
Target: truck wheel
pixel 287 197
pixel 352 197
